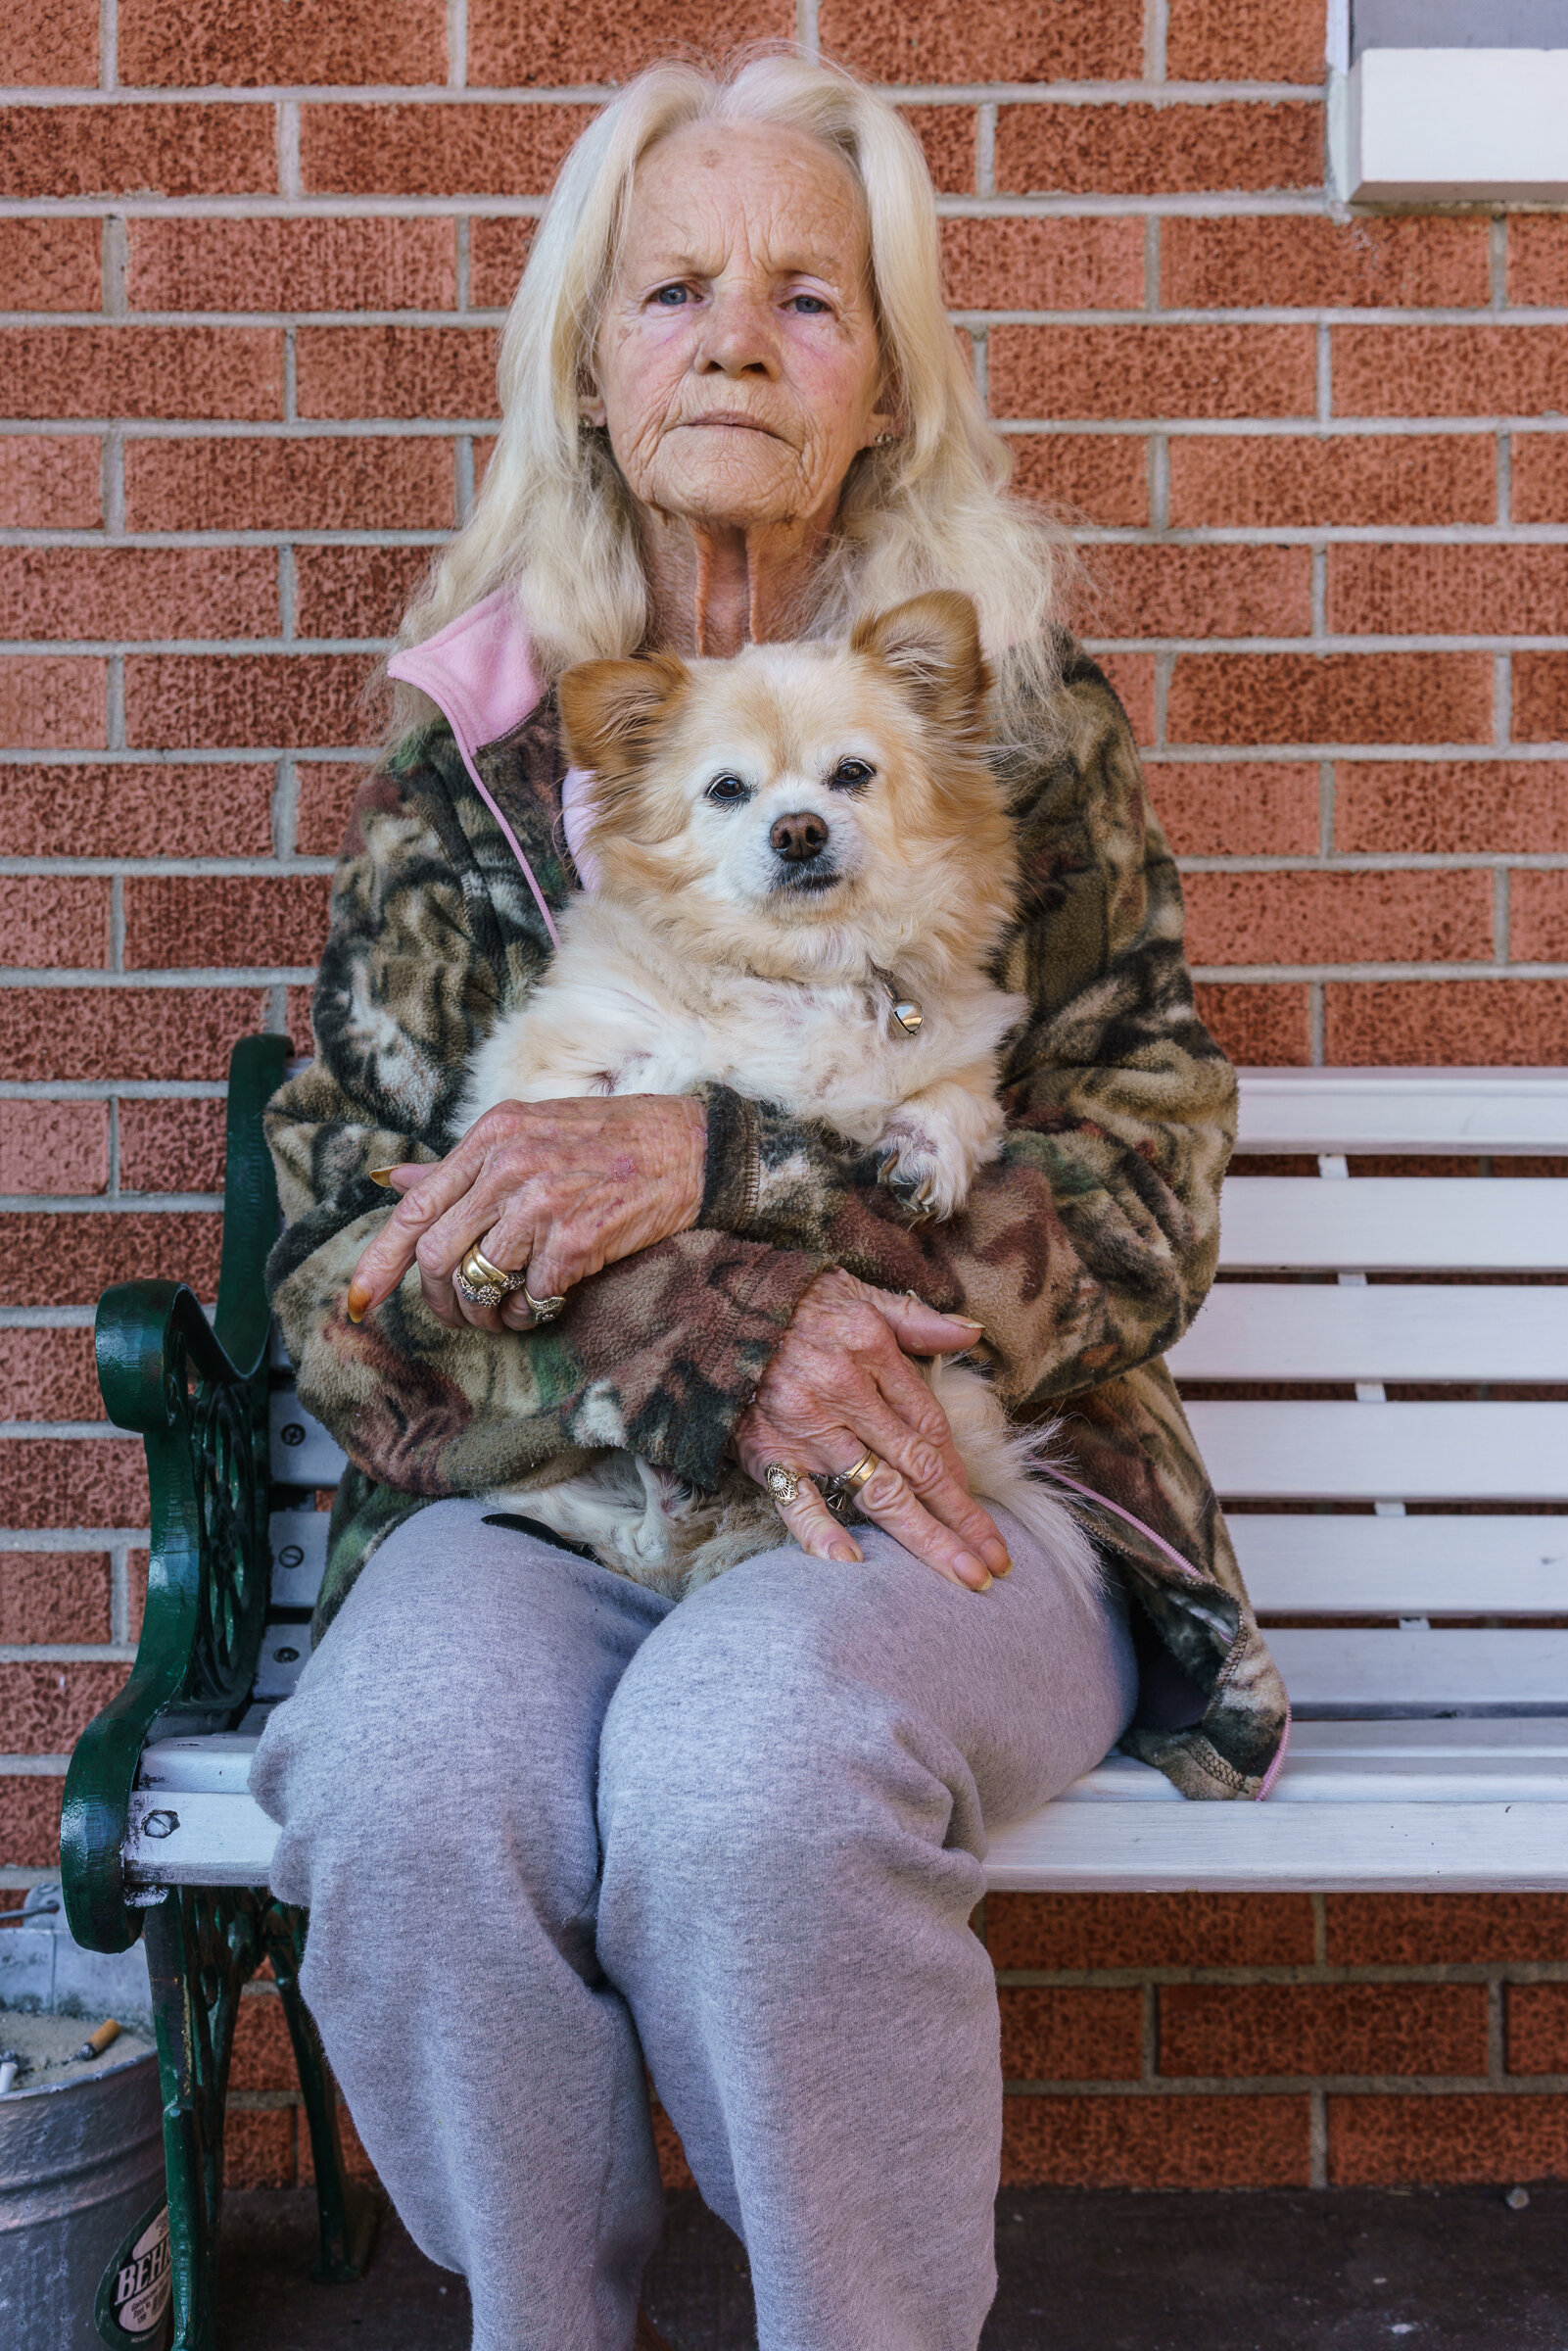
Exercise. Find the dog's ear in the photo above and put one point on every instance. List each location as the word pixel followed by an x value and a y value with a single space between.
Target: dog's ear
pixel 932 646
pixel 613 711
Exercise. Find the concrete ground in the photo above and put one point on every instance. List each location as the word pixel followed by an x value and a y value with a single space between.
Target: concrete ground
pixel 1339 2270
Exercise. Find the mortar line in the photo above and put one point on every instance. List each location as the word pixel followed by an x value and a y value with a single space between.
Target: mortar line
pixel 463 476
pixel 1159 465
pixel 462 230
pixel 1497 259
pixel 114 1148
pixel 1318 2136
pixel 1503 699
pixel 1505 448
pixel 120 1594
pixel 287 630
pixel 1155 32
pixel 433 96
pixel 456 45
pixel 1325 808
pixel 1151 263
pixel 1149 2022
pixel 985 149
pixel 1315 1024
pixel 285 807
pixel 1165 664
pixel 810 30
pixel 117 923
pixel 111 477
pixel 1320 1914
pixel 1500 912
pixel 288 148
pixel 107 45
pixel 115 702
pixel 113 285
pixel 1325 377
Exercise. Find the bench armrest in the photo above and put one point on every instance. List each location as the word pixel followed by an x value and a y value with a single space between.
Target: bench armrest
pixel 198 1395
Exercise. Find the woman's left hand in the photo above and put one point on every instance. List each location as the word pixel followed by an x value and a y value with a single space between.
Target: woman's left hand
pixel 557 1189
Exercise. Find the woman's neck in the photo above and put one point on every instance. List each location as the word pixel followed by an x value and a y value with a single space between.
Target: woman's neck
pixel 715 586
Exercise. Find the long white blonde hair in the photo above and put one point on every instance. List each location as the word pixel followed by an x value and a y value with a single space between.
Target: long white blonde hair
pixel 555 519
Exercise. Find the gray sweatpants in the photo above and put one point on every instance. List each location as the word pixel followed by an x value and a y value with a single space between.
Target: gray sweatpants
pixel 549 1826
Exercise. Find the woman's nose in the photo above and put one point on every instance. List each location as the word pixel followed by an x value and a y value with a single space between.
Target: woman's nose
pixel 741 339
pixel 800 837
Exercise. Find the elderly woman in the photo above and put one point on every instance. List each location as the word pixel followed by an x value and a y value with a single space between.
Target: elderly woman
pixel 552 1829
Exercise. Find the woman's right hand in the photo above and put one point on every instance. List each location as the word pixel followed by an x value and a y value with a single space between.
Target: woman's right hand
pixel 842 1381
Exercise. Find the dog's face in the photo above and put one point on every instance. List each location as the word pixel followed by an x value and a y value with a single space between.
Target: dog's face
pixel 802 796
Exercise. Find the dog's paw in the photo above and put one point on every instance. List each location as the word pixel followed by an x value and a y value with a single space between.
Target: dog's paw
pixel 924 1177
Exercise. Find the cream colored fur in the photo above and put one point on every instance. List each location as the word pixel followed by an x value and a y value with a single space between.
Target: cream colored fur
pixel 704 954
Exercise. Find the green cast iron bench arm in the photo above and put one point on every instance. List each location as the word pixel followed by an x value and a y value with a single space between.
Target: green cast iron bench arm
pixel 197 1393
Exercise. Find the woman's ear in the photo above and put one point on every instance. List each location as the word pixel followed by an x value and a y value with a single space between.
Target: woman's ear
pixel 932 646
pixel 612 712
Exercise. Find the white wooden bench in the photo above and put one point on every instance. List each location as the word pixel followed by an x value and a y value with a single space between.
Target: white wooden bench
pixel 1423 1756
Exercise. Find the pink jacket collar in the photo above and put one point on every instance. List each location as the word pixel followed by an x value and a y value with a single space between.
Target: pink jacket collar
pixel 479 672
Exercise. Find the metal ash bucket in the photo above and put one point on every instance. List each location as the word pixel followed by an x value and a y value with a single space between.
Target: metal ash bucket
pixel 83 2217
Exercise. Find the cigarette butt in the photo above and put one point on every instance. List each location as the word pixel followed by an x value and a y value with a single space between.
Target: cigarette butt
pixel 95 2043
pixel 10 2067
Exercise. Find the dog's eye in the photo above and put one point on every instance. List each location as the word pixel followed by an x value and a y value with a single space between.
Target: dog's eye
pixel 726 791
pixel 851 775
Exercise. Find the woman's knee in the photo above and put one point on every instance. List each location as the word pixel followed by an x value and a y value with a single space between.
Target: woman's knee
pixel 450 1718
pixel 740 1767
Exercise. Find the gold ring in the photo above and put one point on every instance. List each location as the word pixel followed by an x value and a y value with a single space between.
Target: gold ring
pixel 483 1283
pixel 863 1472
pixel 542 1310
pixel 782 1483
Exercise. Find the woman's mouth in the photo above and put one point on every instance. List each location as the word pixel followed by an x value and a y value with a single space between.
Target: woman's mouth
pixel 731 420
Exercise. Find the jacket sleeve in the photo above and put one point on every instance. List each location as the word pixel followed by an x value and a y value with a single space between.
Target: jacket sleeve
pixel 430 933
pixel 1089 1245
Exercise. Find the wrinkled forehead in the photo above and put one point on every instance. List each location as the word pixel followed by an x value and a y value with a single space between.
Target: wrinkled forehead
pixel 795 710
pixel 712 190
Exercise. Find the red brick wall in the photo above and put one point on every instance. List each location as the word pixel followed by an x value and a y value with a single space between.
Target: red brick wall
pixel 253 264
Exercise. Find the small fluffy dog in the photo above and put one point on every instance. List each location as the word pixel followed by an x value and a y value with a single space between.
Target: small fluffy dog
pixel 804 863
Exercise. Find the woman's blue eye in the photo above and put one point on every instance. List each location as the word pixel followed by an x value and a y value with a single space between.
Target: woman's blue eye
pixel 728 790
pixel 814 302
pixel 671 296
pixel 851 775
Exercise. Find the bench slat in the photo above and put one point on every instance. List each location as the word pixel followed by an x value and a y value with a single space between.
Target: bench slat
pixel 1127 1827
pixel 1387 1452
pixel 1223 1847
pixel 1283 1330
pixel 216 1839
pixel 1395 1223
pixel 1490 1567
pixel 1518 1111
pixel 298 1541
pixel 1348 1670
pixel 285 1649
pixel 302 1452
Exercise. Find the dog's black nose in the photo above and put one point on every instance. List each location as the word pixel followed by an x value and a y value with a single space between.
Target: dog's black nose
pixel 800 837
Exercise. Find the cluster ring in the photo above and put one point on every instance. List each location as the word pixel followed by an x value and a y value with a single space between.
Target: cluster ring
pixel 483 1283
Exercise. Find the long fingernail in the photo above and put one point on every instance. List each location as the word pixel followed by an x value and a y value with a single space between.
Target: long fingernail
pixel 845 1554
pixel 358 1300
pixel 969 1318
pixel 382 1176
pixel 967 1565
pixel 995 1556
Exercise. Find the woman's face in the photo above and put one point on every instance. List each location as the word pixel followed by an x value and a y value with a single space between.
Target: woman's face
pixel 738 363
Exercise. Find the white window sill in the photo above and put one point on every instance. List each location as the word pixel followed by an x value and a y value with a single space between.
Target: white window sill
pixel 1453 125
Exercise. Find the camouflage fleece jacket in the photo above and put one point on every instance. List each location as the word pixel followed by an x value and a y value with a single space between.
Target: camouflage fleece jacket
pixel 1084 1251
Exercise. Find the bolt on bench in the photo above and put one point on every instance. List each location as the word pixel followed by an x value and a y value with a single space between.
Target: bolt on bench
pixel 1424 1757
